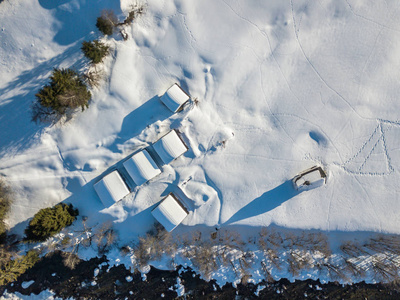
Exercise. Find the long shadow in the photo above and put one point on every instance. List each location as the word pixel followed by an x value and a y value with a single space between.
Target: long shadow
pixel 17 130
pixel 140 118
pixel 77 19
pixel 266 202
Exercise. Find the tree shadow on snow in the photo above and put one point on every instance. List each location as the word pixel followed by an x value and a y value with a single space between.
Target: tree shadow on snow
pixel 77 19
pixel 266 202
pixel 17 130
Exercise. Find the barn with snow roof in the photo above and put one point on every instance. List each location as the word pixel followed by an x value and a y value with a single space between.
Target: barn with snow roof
pixel 170 212
pixel 175 98
pixel 141 167
pixel 111 188
pixel 170 146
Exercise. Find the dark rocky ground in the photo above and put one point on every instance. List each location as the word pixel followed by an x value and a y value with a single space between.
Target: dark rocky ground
pixel 112 284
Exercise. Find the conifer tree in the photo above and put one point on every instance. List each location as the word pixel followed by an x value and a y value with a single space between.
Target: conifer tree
pixel 95 51
pixel 66 92
pixel 11 270
pixel 106 22
pixel 5 204
pixel 49 221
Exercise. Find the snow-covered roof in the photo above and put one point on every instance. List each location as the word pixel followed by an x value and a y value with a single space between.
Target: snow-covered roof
pixel 141 167
pixel 170 213
pixel 312 177
pixel 111 188
pixel 170 147
pixel 174 97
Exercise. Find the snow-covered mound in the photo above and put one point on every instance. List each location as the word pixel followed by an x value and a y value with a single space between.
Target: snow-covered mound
pixel 282 86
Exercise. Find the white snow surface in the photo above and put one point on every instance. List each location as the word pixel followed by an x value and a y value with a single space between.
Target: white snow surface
pixel 282 86
pixel 47 294
pixel 27 284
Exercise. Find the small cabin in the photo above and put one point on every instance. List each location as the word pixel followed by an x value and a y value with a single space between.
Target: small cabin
pixel 175 98
pixel 170 212
pixel 310 178
pixel 170 147
pixel 141 167
pixel 111 188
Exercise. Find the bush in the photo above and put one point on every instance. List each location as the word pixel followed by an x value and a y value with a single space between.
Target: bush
pixel 5 204
pixel 106 22
pixel 65 92
pixel 136 10
pixel 49 221
pixel 95 51
pixel 10 271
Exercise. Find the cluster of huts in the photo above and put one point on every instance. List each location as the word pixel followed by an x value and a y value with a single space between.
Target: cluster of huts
pixel 141 168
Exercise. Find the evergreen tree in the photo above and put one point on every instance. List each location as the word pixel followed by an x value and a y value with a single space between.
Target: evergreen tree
pixel 95 51
pixel 66 91
pixel 11 270
pixel 5 204
pixel 106 22
pixel 49 221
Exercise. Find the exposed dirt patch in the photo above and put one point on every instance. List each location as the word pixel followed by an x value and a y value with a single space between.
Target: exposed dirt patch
pixel 119 283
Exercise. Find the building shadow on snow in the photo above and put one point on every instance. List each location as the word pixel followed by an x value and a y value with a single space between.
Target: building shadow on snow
pixel 266 202
pixel 136 121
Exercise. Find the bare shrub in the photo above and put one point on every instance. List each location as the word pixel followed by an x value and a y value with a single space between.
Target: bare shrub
pixel 66 241
pixel 384 270
pixel 335 272
pixel 352 249
pixel 204 259
pixel 269 239
pixel 105 237
pixel 297 260
pixel 230 238
pixel 267 273
pixel 245 262
pixel 317 242
pixel 93 77
pixel 384 243
pixel 353 268
pixel 135 11
pixel 153 245
pixel 70 260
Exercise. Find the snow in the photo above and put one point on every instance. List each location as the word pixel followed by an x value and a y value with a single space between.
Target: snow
pixel 170 147
pixel 169 212
pixel 282 86
pixel 45 295
pixel 174 98
pixel 141 167
pixel 179 287
pixel 27 284
pixel 259 289
pixel 111 188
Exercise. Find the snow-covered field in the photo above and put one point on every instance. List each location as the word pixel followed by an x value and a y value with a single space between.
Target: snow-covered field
pixel 282 86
